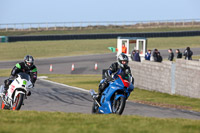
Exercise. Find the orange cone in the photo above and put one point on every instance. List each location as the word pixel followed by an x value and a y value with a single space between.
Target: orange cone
pixel 51 68
pixel 95 66
pixel 73 67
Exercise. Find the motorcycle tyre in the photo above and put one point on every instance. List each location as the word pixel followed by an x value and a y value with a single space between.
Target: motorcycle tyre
pixel 95 108
pixel 121 107
pixel 19 99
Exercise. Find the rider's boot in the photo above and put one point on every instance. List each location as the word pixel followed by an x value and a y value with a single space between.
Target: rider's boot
pixel 98 97
pixel 4 92
pixel 7 82
pixel 102 87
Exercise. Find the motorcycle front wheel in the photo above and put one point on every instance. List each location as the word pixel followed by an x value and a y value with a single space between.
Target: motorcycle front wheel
pixel 18 102
pixel 95 108
pixel 119 105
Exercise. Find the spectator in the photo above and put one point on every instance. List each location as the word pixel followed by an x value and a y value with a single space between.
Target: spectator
pixel 188 54
pixel 124 49
pixel 148 55
pixel 137 56
pixel 156 56
pixel 171 55
pixel 132 55
pixel 179 54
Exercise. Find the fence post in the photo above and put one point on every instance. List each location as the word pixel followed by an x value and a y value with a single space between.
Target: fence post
pixel 71 26
pixel 173 71
pixel 174 23
pixel 64 26
pixel 47 27
pixel 14 27
pixel 30 27
pixel 7 27
pixel 22 27
pixel 80 25
pixel 38 26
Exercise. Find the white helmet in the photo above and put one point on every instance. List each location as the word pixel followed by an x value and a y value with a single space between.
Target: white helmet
pixel 123 57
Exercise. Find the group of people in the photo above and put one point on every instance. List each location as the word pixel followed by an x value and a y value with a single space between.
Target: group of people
pixel 156 56
pixel 187 53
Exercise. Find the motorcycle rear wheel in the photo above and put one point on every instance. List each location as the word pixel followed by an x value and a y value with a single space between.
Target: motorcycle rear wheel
pixel 18 102
pixel 119 105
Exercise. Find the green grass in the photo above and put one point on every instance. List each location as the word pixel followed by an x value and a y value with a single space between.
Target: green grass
pixel 44 49
pixel 97 30
pixel 57 122
pixel 38 49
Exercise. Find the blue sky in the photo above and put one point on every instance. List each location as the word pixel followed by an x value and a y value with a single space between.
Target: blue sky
pixel 25 11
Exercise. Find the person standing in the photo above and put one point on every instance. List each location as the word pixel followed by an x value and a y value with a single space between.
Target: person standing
pixel 124 49
pixel 188 54
pixel 179 54
pixel 148 55
pixel 171 55
pixel 157 56
pixel 137 56
pixel 132 55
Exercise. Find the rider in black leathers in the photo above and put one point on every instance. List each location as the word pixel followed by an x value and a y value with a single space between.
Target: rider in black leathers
pixel 116 68
pixel 27 67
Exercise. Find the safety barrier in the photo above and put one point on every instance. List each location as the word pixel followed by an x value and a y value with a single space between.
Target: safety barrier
pixel 102 36
pixel 3 39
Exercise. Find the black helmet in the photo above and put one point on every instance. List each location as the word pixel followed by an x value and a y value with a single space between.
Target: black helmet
pixel 123 57
pixel 29 61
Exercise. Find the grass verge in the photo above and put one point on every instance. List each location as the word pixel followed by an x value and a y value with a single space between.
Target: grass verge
pixel 52 122
pixel 45 49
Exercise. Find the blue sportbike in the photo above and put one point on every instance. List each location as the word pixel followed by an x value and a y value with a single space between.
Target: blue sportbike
pixel 113 99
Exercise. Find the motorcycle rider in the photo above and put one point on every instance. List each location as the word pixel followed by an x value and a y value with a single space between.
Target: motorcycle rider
pixel 116 68
pixel 27 66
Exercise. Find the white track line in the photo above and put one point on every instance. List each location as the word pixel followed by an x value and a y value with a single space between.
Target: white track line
pixel 80 89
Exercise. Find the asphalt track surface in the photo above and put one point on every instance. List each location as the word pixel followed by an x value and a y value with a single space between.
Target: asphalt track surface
pixel 48 96
pixel 51 97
